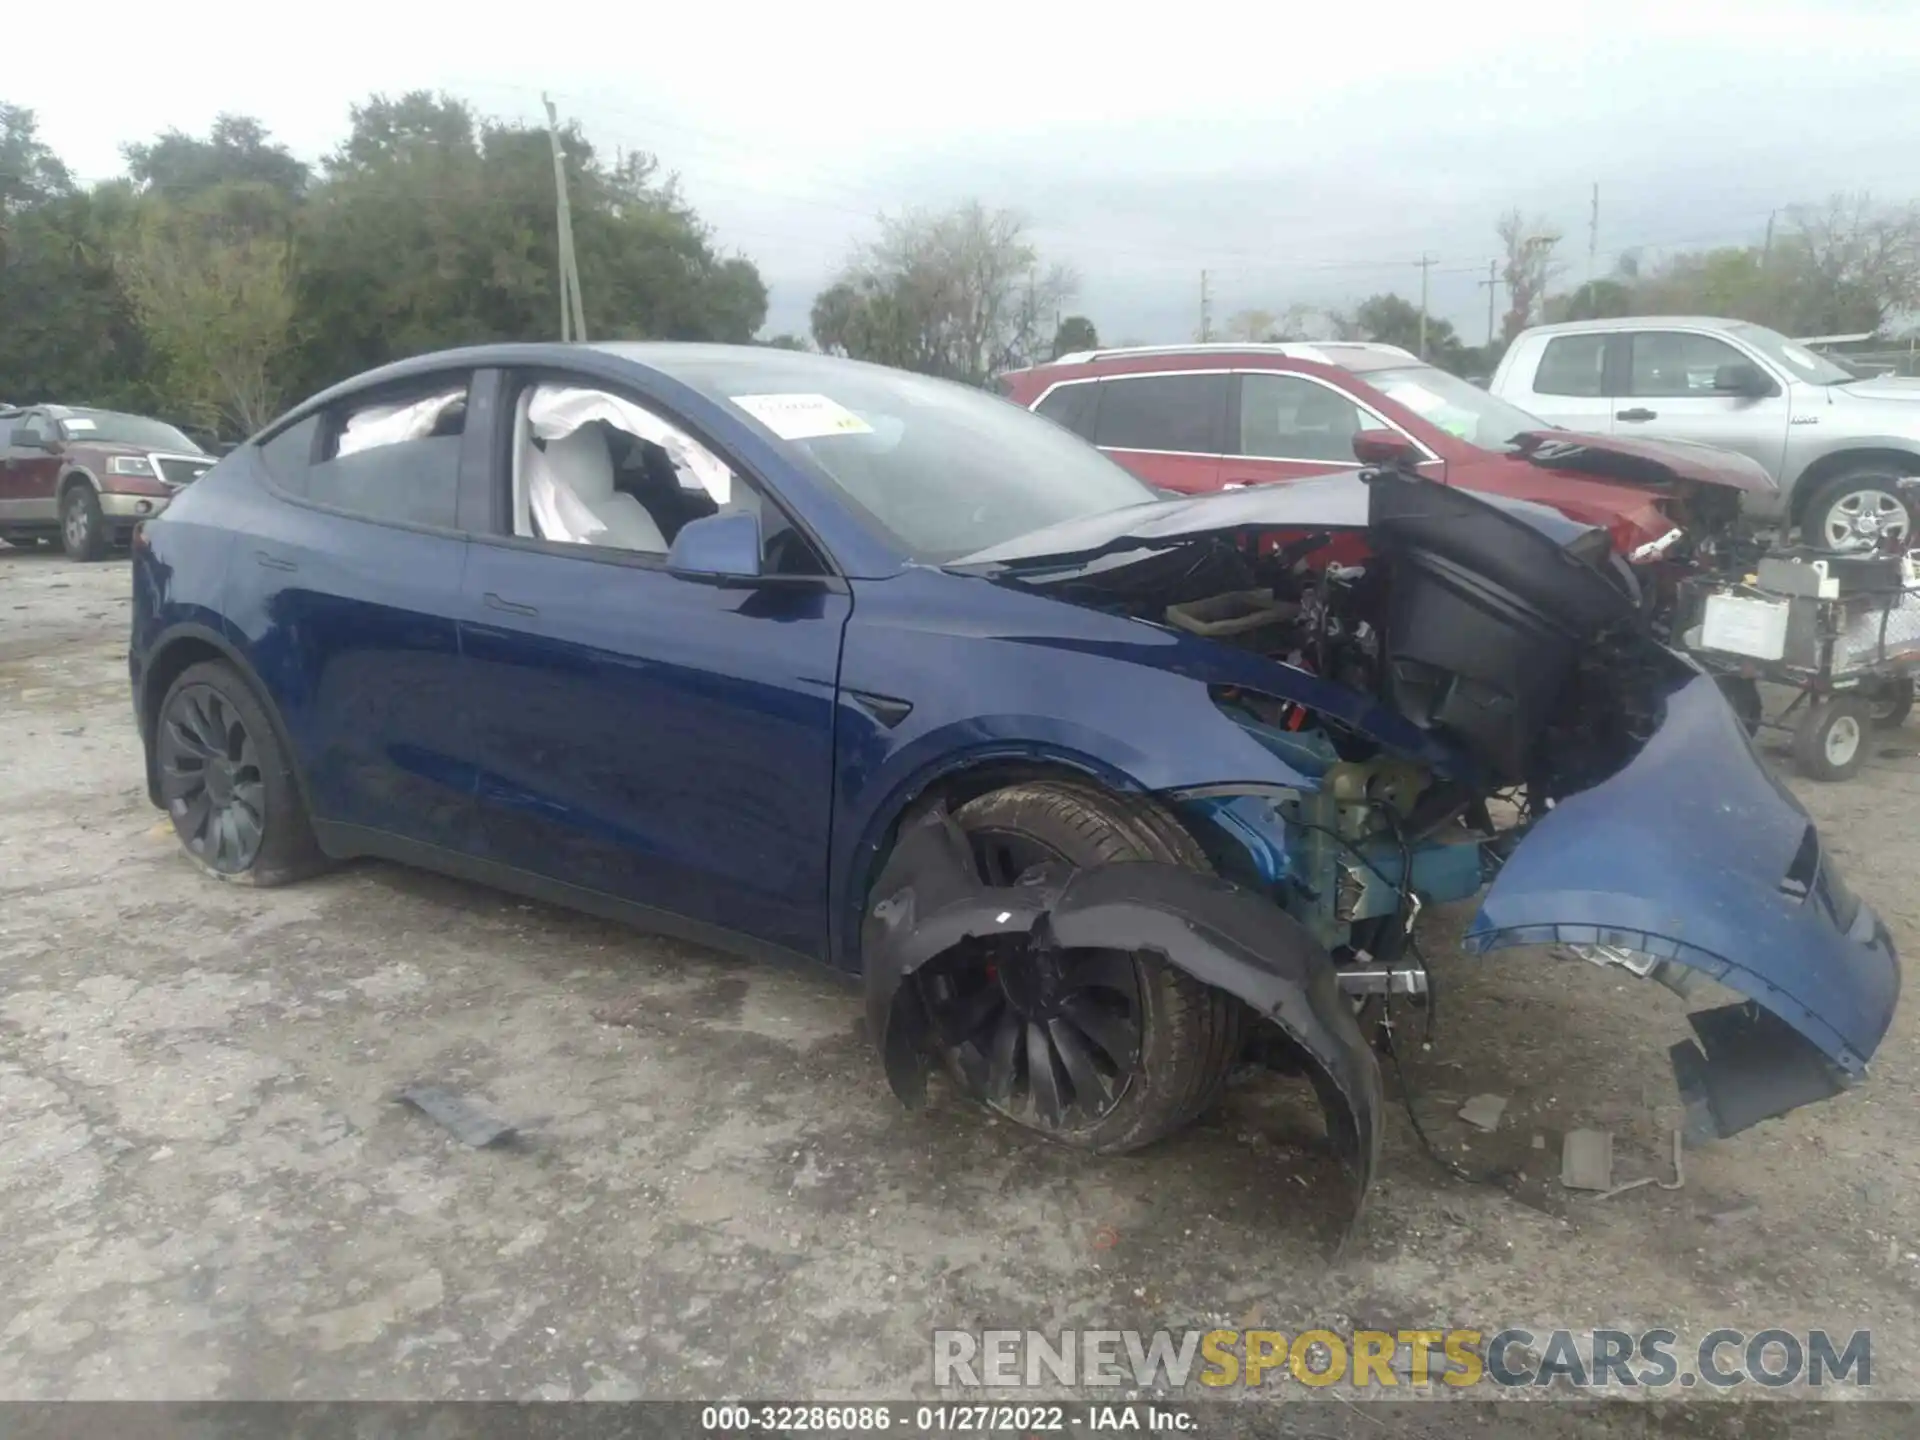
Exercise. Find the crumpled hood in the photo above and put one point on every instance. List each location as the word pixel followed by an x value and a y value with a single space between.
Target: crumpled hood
pixel 1662 463
pixel 1322 502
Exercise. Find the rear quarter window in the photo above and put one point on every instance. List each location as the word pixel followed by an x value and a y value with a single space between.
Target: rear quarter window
pixel 394 459
pixel 1072 406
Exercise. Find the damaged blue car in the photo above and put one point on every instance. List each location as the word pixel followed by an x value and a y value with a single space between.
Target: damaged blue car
pixel 1099 793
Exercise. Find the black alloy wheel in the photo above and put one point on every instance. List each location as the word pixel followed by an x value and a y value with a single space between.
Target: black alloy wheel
pixel 210 778
pixel 1050 1038
pixel 1102 1050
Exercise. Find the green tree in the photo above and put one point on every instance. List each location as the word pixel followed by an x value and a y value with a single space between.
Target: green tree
pixel 211 280
pixel 237 151
pixel 959 293
pixel 1075 333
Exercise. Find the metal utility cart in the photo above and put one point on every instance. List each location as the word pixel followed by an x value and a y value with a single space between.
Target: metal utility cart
pixel 1842 630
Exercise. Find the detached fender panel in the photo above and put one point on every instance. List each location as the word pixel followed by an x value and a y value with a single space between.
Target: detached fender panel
pixel 1696 854
pixel 929 898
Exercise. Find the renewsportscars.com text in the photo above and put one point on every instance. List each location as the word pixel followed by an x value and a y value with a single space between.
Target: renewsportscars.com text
pixel 1511 1358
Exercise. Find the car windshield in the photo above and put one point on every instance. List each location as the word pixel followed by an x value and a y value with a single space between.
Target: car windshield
pixel 1797 360
pixel 943 469
pixel 112 428
pixel 1462 410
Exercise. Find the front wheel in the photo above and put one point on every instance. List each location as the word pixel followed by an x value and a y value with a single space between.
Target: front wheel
pixel 226 782
pixel 83 529
pixel 1102 1050
pixel 1830 743
pixel 1860 508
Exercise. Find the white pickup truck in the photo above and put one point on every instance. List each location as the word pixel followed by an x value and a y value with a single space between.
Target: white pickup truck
pixel 1839 445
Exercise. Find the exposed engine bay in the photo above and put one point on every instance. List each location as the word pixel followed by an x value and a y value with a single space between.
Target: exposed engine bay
pixel 1452 693
pixel 1527 652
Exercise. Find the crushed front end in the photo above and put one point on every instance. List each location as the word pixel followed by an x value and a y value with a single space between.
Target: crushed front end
pixel 1462 691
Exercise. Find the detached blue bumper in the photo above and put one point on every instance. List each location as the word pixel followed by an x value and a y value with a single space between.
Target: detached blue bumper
pixel 1694 853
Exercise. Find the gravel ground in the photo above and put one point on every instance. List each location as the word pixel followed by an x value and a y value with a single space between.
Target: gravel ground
pixel 207 1191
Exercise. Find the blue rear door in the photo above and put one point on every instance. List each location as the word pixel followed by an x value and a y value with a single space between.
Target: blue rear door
pixel 343 584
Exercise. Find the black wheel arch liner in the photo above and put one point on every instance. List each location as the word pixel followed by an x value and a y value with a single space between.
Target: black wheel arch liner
pixel 147 700
pixel 929 899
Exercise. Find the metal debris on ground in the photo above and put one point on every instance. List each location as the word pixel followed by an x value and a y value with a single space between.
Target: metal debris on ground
pixel 1483 1111
pixel 468 1123
pixel 1586 1160
pixel 1679 1175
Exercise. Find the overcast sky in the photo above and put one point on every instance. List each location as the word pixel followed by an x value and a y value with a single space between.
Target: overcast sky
pixel 1298 151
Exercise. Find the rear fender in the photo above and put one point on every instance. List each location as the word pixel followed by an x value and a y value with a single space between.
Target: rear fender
pixel 929 898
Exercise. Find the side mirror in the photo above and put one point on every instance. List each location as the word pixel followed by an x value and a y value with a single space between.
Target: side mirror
pixel 1386 449
pixel 1745 379
pixel 721 549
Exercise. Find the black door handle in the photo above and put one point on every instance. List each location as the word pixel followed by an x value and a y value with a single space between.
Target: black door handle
pixel 272 562
pixel 512 607
pixel 1636 414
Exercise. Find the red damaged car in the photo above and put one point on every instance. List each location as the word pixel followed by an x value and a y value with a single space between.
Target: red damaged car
pixel 87 477
pixel 1197 418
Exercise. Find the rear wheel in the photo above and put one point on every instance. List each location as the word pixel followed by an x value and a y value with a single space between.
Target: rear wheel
pixel 227 784
pixel 1863 507
pixel 1104 1050
pixel 83 529
pixel 1830 743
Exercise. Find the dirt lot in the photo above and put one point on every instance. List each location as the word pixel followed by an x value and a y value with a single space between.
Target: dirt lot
pixel 206 1189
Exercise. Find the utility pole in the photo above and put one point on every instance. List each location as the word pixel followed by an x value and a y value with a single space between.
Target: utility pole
pixel 1766 250
pixel 1206 310
pixel 1593 235
pixel 1425 265
pixel 1492 282
pixel 573 319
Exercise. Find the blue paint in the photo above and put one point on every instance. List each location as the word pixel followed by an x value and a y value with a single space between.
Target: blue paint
pixel 703 750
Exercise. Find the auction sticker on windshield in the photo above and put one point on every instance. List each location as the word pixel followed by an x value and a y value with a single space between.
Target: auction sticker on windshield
pixel 802 417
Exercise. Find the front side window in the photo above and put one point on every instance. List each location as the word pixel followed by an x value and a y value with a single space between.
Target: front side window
pixel 1674 363
pixel 396 459
pixel 1288 417
pixel 1181 414
pixel 595 468
pixel 31 430
pixel 1573 365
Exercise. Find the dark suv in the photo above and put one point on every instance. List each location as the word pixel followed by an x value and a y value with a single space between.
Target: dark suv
pixel 88 476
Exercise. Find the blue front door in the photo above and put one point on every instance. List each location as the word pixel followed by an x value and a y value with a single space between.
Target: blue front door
pixel 659 740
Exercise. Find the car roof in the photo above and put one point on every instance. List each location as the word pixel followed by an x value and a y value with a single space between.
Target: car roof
pixel 1637 322
pixel 1357 355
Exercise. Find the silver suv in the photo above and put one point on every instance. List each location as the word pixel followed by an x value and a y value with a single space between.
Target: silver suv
pixel 1838 444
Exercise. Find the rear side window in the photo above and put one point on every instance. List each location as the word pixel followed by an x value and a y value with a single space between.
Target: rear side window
pixel 1573 365
pixel 1186 414
pixel 395 459
pixel 1072 406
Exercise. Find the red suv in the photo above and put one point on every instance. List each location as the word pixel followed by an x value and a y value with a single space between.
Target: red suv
pixel 1194 418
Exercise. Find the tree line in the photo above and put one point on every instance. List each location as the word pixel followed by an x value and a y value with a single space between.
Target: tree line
pixel 1845 267
pixel 223 277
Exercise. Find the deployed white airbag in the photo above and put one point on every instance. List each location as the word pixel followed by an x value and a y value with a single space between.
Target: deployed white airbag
pixel 558 410
pixel 393 424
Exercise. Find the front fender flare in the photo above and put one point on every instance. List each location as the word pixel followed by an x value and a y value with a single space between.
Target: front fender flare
pixel 930 899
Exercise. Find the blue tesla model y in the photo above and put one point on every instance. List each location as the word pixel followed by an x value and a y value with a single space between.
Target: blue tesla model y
pixel 1098 792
